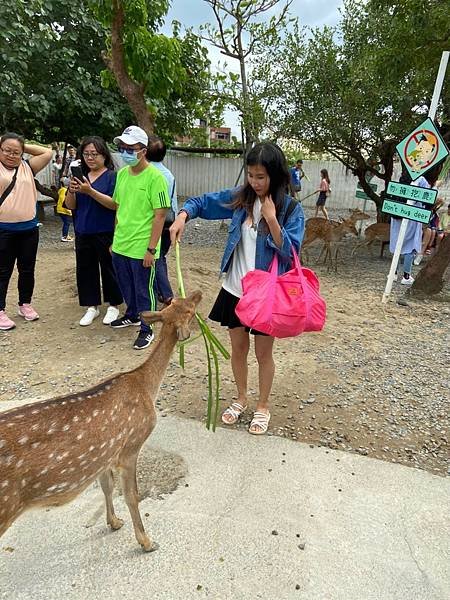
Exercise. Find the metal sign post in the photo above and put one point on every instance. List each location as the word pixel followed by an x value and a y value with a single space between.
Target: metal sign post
pixel 401 234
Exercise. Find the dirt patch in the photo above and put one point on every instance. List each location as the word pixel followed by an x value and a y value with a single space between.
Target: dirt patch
pixel 375 381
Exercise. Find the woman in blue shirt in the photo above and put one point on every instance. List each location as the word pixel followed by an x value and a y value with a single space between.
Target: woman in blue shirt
pixel 94 212
pixel 264 221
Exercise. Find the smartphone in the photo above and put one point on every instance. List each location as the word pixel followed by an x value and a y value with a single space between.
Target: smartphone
pixel 77 172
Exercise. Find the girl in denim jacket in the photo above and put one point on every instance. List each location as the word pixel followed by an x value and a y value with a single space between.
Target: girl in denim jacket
pixel 264 221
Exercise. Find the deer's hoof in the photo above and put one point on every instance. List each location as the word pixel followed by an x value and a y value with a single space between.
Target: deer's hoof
pixel 115 523
pixel 150 546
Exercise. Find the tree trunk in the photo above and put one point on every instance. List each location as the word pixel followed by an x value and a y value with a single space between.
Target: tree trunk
pixel 430 280
pixel 132 91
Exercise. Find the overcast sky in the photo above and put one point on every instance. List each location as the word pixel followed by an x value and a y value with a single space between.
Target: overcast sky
pixel 192 13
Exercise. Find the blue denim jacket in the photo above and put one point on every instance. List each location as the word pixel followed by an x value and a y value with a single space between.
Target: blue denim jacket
pixel 216 205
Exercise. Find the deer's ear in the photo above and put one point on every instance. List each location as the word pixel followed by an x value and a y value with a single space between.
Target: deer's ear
pixel 151 317
pixel 195 297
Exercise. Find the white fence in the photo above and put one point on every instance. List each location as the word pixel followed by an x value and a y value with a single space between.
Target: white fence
pixel 196 175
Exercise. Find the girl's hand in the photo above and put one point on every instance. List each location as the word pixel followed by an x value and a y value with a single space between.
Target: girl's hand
pixel 177 228
pixel 84 186
pixel 268 210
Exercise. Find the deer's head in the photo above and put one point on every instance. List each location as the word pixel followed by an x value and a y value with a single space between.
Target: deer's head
pixel 358 215
pixel 178 314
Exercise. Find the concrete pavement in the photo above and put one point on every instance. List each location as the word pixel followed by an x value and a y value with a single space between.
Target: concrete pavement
pixel 259 518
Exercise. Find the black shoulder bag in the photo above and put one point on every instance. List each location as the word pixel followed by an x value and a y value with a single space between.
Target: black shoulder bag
pixel 9 188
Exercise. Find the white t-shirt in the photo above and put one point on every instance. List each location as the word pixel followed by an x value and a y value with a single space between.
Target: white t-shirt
pixel 243 259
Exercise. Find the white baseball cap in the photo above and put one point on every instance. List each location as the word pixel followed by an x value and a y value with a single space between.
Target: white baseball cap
pixel 132 135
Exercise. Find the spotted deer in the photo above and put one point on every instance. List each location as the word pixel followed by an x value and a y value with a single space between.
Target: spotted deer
pixel 331 233
pixel 51 451
pixel 375 232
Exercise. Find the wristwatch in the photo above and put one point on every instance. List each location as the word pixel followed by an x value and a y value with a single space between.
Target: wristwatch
pixel 152 251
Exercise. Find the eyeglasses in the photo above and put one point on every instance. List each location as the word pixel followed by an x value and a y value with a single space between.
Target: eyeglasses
pixel 90 154
pixel 12 153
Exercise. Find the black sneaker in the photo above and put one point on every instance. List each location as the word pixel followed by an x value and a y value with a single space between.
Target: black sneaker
pixel 125 322
pixel 143 340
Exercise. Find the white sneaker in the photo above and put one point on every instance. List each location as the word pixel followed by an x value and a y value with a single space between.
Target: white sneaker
pixel 111 315
pixel 408 281
pixel 91 314
pixel 418 259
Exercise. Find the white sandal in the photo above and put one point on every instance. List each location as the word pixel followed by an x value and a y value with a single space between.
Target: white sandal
pixel 260 420
pixel 235 411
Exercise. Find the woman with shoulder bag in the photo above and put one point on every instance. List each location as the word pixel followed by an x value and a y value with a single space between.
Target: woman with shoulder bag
pixel 265 222
pixel 19 231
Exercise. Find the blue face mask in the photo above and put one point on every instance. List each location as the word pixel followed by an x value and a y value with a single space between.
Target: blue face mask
pixel 128 158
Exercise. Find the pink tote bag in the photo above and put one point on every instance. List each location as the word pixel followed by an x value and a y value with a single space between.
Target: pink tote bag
pixel 282 305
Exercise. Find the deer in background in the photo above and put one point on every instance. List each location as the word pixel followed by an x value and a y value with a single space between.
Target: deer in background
pixel 375 232
pixel 51 451
pixel 331 233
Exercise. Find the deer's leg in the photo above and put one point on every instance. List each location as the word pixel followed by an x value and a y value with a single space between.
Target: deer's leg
pixel 130 492
pixel 107 483
pixel 324 249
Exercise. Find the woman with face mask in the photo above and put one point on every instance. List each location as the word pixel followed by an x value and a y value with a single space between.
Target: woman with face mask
pixel 94 211
pixel 19 232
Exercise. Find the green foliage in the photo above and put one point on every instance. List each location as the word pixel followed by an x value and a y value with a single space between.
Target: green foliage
pixel 354 91
pixel 243 34
pixel 50 64
pixel 173 71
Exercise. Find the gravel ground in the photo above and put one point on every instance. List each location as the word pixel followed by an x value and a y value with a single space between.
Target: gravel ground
pixel 376 381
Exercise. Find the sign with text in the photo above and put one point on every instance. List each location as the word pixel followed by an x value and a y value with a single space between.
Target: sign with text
pixel 422 149
pixel 406 211
pixel 360 193
pixel 411 192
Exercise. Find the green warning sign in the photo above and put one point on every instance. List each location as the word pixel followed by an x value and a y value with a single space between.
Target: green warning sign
pixel 406 211
pixel 411 192
pixel 422 149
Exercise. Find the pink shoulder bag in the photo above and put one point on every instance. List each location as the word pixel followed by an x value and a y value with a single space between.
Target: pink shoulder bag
pixel 282 305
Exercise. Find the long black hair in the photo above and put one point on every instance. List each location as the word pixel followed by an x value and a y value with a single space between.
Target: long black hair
pixel 271 157
pixel 101 147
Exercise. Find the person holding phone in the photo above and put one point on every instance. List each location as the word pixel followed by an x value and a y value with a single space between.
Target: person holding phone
pixel 93 209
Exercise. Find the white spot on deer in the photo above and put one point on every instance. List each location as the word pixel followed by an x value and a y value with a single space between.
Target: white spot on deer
pixel 4 483
pixel 5 498
pixel 51 455
pixel 52 488
pixel 23 483
pixel 50 431
pixel 95 413
pixel 80 435
pixel 102 445
pixel 23 440
pixel 47 407
pixel 44 471
pixel 80 398
pixel 75 419
pixel 19 416
pixel 35 427
pixel 2 443
pixel 111 442
pixel 19 463
pixel 82 455
pixel 9 459
pixel 10 424
pixel 37 485
pixel 35 445
pixel 88 419
pixel 131 430
pixel 66 428
pixel 94 458
pixel 91 448
pixel 62 456
pixel 35 411
pixel 74 486
pixel 103 453
pixel 72 469
pixel 129 418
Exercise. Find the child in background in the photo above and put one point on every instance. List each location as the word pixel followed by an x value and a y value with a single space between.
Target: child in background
pixel 64 213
